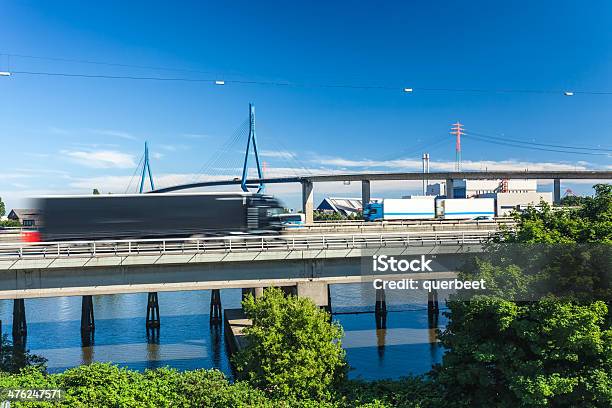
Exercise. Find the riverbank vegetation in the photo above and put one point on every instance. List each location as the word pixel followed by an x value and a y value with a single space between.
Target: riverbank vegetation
pixel 540 336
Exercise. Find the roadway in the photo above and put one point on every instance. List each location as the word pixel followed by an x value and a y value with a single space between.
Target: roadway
pixel 131 266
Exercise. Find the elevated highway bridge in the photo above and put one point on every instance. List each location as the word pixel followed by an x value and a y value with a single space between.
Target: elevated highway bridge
pixel 30 270
pixel 307 182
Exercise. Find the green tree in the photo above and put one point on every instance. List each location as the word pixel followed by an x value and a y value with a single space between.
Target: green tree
pixel 96 191
pixel 546 353
pixel 2 208
pixel 555 351
pixel 293 350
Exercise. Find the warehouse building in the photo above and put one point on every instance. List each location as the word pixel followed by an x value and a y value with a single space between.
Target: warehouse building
pixel 475 188
pixel 507 202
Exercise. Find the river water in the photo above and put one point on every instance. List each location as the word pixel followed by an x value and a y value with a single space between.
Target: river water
pixel 188 341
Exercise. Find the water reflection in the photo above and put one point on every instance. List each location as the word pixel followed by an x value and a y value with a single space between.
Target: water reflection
pixel 401 341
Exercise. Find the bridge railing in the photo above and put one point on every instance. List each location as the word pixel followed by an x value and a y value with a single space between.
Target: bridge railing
pixel 498 220
pixel 212 245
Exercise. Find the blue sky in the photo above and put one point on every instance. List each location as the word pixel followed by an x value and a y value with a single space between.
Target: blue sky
pixel 69 135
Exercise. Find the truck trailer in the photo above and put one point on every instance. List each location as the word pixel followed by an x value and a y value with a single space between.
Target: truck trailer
pixel 465 208
pixel 400 209
pixel 129 216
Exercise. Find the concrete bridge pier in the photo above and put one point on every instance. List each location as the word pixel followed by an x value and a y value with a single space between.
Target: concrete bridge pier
pixel 365 193
pixel 308 201
pixel 432 302
pixel 20 327
pixel 449 188
pixel 557 191
pixel 215 306
pixel 258 292
pixel 318 292
pixel 380 309
pixel 152 310
pixel 88 325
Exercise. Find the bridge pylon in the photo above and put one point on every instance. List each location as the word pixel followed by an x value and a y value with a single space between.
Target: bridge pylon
pixel 146 170
pixel 245 169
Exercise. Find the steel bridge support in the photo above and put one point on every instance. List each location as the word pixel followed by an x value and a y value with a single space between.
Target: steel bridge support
pixel 88 325
pixel 152 310
pixel 308 201
pixel 20 327
pixel 215 306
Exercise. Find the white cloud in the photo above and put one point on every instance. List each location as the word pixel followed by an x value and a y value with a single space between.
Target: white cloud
pixel 101 159
pixel 114 133
pixel 195 136
pixel 58 131
pixel 277 154
pixel 415 164
pixel 173 147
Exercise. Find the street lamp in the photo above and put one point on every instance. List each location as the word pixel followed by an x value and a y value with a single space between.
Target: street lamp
pixel 5 73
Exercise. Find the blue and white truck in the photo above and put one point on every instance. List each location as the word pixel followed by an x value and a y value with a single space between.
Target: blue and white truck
pixel 401 209
pixel 428 207
pixel 465 208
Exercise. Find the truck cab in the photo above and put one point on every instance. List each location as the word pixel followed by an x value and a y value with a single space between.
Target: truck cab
pixel 373 212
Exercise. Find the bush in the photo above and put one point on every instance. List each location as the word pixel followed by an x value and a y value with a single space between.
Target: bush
pixel 13 359
pixel 293 350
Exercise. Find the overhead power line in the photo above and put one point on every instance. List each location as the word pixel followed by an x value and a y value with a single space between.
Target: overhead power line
pixel 598 149
pixel 222 82
pixel 529 146
pixel 108 64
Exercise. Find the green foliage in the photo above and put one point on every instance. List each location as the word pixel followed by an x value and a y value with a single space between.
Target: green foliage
pixel 293 350
pixel 104 386
pixel 96 191
pixel 554 351
pixel 572 201
pixel 327 216
pixel 547 353
pixel 2 208
pixel 13 359
pixel 591 223
pixel 334 216
pixel 9 223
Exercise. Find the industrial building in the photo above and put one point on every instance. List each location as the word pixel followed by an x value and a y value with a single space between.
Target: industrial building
pixel 476 188
pixel 507 202
pixel 342 206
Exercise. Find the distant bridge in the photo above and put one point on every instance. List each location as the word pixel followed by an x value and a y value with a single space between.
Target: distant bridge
pixel 365 179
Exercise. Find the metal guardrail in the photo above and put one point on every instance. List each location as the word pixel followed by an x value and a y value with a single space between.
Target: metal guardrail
pixel 38 250
pixel 498 220
pixel 355 227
